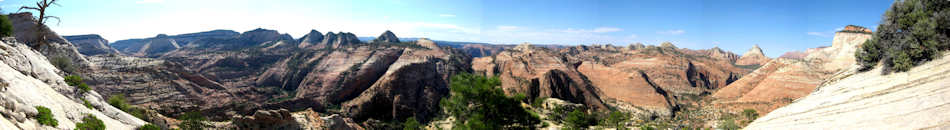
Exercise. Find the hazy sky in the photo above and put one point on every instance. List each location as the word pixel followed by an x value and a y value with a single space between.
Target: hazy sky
pixel 734 25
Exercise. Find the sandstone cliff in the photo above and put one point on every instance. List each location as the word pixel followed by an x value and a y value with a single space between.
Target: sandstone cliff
pixel 539 72
pixel 784 80
pixel 387 36
pixel 648 81
pixel 262 69
pixel 313 38
pixel 57 50
pixel 915 99
pixel 29 80
pixel 753 57
pixel 132 46
pixel 91 44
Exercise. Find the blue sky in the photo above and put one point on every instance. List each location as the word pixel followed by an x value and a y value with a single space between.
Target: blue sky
pixel 734 25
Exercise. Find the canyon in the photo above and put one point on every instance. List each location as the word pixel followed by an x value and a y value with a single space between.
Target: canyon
pixel 265 79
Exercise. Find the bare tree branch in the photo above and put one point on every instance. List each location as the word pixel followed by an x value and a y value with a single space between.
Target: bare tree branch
pixel 28 8
pixel 54 17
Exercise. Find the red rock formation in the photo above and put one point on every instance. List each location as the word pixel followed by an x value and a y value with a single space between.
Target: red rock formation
pixel 641 80
pixel 753 57
pixel 540 72
pixel 782 80
pixel 855 28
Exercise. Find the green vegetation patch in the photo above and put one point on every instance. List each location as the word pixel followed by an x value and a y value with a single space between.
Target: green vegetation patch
pixel 90 122
pixel 87 104
pixel 6 27
pixel 192 121
pixel 411 124
pixel 76 81
pixel 910 34
pixel 477 103
pixel 45 116
pixel 149 127
pixel 119 101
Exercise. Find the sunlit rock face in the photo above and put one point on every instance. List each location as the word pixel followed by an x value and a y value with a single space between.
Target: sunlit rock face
pixel 753 57
pixel 91 44
pixel 870 100
pixel 28 79
pixel 642 80
pixel 792 76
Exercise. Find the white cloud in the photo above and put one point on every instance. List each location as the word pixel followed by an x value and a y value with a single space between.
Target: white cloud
pixel 839 29
pixel 595 30
pixel 446 15
pixel 149 1
pixel 672 32
pixel 633 36
pixel 507 28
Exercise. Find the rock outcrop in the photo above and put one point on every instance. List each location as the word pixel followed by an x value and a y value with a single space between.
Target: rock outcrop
pixel 841 53
pixel 267 120
pixel 915 99
pixel 91 44
pixel 645 81
pixel 482 50
pixel 784 80
pixel 539 72
pixel 773 85
pixel 338 40
pixel 157 46
pixel 29 80
pixel 387 36
pixel 753 57
pixel 715 53
pixel 168 87
pixel 412 86
pixel 133 46
pixel 57 50
pixel 312 39
pixel 223 79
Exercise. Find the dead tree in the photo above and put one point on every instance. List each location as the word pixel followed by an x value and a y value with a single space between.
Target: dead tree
pixel 41 7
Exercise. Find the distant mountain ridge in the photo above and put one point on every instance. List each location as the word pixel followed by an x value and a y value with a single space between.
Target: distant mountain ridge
pixel 91 44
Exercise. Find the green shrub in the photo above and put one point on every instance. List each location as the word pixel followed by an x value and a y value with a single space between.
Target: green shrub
pixel 750 114
pixel 90 122
pixel 869 54
pixel 616 119
pixel 647 127
pixel 149 127
pixel 411 124
pixel 728 123
pixel 192 121
pixel 477 103
pixel 119 101
pixel 579 119
pixel 87 104
pixel 538 102
pixel 6 27
pixel 84 88
pixel 909 34
pixel 76 81
pixel 73 80
pixel 63 64
pixel 136 112
pixel 45 116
